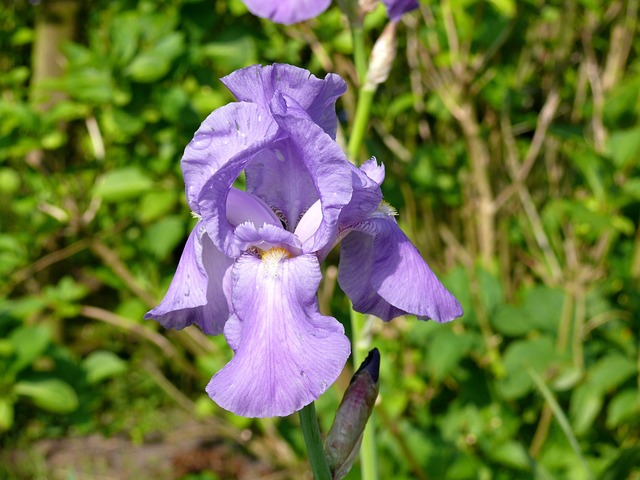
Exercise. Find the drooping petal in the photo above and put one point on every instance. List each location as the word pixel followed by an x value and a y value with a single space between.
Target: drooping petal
pixel 287 12
pixel 286 353
pixel 383 274
pixel 237 129
pixel 325 162
pixel 315 96
pixel 196 294
pixel 397 8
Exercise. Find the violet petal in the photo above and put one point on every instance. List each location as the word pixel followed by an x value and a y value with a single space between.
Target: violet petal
pixel 286 353
pixel 237 129
pixel 384 274
pixel 316 96
pixel 196 294
pixel 287 12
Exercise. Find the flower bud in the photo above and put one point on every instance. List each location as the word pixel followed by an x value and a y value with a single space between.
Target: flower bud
pixel 382 56
pixel 343 442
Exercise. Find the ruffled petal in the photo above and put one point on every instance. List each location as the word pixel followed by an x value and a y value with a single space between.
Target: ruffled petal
pixel 315 96
pixel 383 274
pixel 286 353
pixel 397 8
pixel 287 12
pixel 196 294
pixel 237 129
pixel 326 163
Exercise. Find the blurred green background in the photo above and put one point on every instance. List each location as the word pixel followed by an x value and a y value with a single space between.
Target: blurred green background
pixel 511 136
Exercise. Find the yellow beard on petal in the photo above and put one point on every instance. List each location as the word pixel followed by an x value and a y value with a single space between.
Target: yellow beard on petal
pixel 272 257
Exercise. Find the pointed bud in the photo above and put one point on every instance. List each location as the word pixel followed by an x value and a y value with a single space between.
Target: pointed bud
pixel 382 56
pixel 343 442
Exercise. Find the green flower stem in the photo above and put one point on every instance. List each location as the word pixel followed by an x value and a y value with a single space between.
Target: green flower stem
pixel 361 121
pixel 313 441
pixel 361 341
pixel 359 52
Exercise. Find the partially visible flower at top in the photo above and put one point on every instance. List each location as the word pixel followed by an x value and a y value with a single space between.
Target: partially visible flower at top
pixel 397 8
pixel 251 266
pixel 289 12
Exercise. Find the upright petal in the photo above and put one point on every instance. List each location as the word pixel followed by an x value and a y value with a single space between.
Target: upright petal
pixel 397 8
pixel 196 294
pixel 325 162
pixel 287 12
pixel 237 129
pixel 383 274
pixel 286 353
pixel 316 96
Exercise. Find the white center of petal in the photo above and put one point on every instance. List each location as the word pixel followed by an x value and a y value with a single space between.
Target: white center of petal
pixel 272 257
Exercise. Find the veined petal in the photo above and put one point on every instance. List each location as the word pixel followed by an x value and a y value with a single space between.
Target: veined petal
pixel 286 353
pixel 235 130
pixel 314 95
pixel 287 12
pixel 383 274
pixel 397 8
pixel 266 237
pixel 325 162
pixel 196 294
pixel 279 176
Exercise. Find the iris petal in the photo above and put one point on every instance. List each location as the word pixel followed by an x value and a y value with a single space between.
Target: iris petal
pixel 235 130
pixel 397 8
pixel 325 162
pixel 196 294
pixel 316 96
pixel 286 352
pixel 287 12
pixel 383 274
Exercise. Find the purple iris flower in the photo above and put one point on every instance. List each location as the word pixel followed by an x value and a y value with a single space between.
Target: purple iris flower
pixel 397 8
pixel 289 12
pixel 251 266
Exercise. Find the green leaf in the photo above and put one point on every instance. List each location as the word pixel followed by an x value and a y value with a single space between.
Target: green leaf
pixel 538 354
pixel 52 395
pixel 624 146
pixel 610 372
pixel 511 321
pixel 28 344
pixel 543 307
pixel 511 454
pixel 156 204
pixel 505 7
pixel 102 364
pixel 6 413
pixel 122 184
pixel 586 404
pixel 163 236
pixel 624 406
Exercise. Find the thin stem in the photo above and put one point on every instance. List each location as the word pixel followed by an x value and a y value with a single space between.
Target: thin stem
pixel 561 418
pixel 361 341
pixel 313 441
pixel 360 122
pixel 359 52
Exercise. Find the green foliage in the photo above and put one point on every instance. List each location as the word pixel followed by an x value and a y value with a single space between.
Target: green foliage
pixel 537 101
